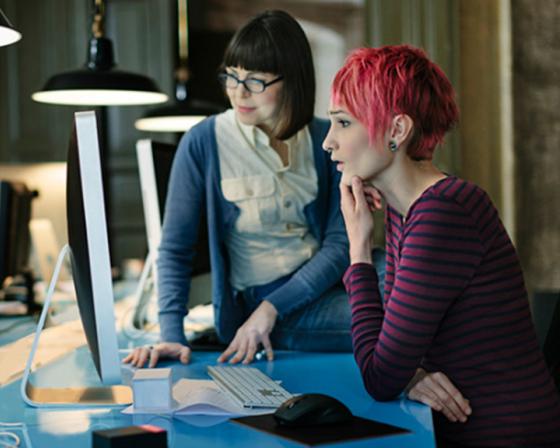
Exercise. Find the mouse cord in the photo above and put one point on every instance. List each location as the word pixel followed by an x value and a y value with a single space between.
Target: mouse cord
pixel 15 441
pixel 8 438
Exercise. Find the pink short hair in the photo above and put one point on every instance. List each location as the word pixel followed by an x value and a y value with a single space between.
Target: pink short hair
pixel 376 84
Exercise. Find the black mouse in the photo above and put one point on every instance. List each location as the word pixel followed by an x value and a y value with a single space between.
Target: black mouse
pixel 311 409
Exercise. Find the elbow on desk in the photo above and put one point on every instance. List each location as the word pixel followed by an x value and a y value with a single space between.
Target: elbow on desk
pixel 379 391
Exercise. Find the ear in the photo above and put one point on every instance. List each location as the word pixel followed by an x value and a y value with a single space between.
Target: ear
pixel 402 128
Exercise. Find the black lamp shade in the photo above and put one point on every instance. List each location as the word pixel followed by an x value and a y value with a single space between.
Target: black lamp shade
pixel 8 34
pixel 99 84
pixel 179 117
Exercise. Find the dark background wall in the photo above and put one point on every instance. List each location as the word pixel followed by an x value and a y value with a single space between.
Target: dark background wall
pixel 536 75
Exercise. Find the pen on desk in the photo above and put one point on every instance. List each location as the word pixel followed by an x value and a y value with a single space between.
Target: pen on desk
pixel 260 354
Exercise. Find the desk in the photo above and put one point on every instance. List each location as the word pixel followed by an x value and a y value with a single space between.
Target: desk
pixel 333 374
pixel 14 328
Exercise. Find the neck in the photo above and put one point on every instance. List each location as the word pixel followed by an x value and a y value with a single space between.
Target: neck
pixel 405 181
pixel 267 130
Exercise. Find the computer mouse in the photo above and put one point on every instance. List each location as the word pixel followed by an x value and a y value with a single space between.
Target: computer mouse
pixel 311 409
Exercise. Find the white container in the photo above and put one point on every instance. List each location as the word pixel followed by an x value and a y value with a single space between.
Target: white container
pixel 152 389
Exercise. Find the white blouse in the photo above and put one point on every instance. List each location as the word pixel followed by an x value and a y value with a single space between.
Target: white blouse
pixel 270 238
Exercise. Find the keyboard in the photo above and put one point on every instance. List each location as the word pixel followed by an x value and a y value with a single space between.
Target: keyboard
pixel 248 386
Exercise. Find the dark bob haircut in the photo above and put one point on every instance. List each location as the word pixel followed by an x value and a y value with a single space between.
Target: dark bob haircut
pixel 274 42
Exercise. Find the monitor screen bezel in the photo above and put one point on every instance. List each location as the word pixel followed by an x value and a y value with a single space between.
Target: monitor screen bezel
pixel 89 246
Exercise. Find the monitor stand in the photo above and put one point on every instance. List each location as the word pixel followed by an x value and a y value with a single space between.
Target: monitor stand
pixel 104 396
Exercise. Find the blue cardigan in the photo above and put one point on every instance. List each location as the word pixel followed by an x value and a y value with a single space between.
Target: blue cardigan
pixel 195 188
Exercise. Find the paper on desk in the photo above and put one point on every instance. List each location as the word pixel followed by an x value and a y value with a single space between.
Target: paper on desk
pixel 201 397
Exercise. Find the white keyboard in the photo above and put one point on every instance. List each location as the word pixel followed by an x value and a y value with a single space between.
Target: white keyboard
pixel 248 386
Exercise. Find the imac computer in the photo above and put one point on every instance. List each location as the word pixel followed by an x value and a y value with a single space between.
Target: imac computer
pixel 88 249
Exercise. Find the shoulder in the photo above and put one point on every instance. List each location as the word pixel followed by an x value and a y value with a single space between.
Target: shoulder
pixel 462 194
pixel 201 132
pixel 455 205
pixel 196 142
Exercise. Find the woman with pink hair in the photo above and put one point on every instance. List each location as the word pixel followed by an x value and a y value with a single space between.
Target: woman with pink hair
pixel 453 329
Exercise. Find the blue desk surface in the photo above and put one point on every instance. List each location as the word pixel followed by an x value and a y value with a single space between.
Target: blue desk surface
pixel 332 374
pixel 14 328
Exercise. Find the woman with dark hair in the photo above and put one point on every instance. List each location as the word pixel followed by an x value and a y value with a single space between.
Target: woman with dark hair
pixel 271 199
pixel 453 328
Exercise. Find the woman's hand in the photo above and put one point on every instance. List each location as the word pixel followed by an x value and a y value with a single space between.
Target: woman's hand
pixel 174 350
pixel 357 204
pixel 438 392
pixel 255 330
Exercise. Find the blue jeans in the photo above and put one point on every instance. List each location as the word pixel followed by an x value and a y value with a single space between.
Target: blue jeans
pixel 322 326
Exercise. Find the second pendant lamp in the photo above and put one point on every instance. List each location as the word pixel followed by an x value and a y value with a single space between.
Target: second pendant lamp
pixel 186 111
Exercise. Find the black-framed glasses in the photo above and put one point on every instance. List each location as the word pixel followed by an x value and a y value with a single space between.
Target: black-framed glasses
pixel 253 85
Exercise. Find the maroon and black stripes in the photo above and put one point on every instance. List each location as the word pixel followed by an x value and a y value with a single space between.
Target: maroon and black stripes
pixel 455 302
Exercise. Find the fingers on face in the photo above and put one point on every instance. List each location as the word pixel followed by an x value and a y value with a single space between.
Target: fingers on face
pixel 346 198
pixel 358 192
pixel 373 196
pixel 372 205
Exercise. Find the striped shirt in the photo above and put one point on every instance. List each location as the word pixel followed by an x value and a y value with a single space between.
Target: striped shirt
pixel 455 302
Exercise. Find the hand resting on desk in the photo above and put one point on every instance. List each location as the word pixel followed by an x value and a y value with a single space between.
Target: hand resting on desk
pixel 438 392
pixel 244 347
pixel 254 331
pixel 174 350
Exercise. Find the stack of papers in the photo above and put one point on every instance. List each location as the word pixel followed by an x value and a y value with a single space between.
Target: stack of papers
pixel 201 397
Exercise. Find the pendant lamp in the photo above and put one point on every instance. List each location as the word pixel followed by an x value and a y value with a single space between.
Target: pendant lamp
pixel 99 84
pixel 8 35
pixel 186 111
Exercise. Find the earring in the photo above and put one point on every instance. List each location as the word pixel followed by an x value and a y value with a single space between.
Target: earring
pixel 393 146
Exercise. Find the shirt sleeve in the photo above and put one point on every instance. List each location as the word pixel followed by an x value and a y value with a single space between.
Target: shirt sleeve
pixel 436 257
pixel 184 205
pixel 326 267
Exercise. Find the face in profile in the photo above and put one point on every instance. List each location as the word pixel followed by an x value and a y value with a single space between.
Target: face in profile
pixel 350 147
pixel 252 107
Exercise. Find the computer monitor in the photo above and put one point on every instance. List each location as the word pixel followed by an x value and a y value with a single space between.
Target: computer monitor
pixel 88 247
pixel 154 167
pixel 44 250
pixel 15 214
pixel 155 160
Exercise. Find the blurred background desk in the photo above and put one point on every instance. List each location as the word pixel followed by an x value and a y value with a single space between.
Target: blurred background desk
pixel 333 374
